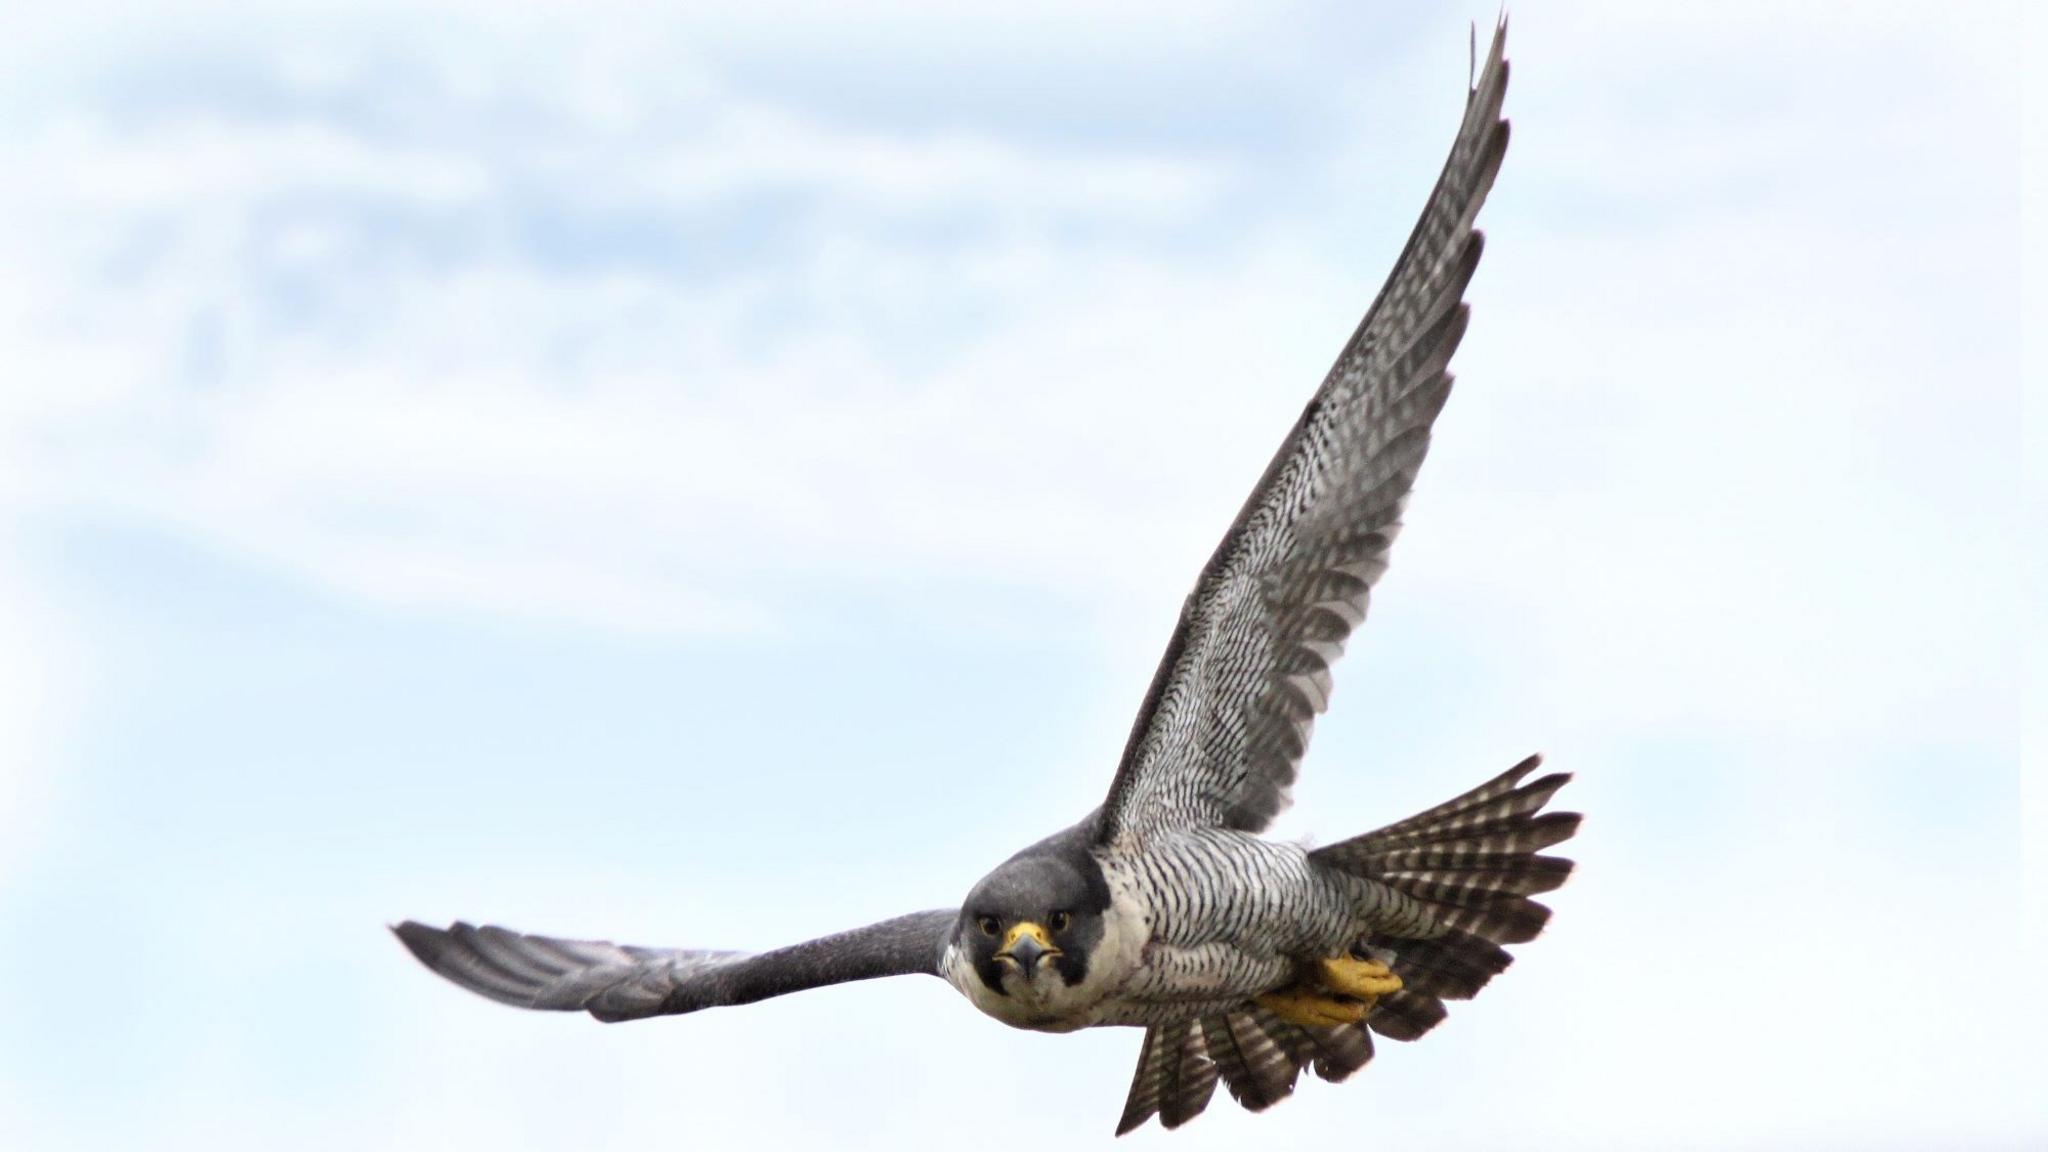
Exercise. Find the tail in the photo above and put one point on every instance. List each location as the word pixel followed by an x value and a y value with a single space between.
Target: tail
pixel 1466 870
pixel 1471 865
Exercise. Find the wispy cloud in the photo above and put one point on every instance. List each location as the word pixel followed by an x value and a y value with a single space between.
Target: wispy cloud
pixel 363 357
pixel 673 326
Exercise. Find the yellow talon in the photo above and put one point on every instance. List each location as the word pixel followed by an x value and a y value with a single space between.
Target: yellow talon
pixel 1368 980
pixel 1344 990
pixel 1310 1010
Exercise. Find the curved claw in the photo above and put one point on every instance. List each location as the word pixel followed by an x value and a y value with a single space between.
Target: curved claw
pixel 1368 980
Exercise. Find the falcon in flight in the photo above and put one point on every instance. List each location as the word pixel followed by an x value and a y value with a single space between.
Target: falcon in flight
pixel 1245 960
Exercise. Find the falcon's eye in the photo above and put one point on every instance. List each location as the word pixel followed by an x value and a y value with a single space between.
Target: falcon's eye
pixel 1057 921
pixel 989 925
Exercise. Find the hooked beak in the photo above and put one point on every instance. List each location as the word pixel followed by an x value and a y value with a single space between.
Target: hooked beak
pixel 1026 944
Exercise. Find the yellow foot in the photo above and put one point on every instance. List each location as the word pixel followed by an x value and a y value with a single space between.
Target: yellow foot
pixel 1368 980
pixel 1311 1009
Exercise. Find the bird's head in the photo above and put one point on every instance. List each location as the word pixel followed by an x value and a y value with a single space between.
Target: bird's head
pixel 1034 920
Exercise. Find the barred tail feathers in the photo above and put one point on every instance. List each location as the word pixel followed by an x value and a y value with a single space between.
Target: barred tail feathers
pixel 1472 864
pixel 1468 865
pixel 1256 1054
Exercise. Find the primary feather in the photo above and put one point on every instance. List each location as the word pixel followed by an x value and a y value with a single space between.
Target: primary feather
pixel 1221 733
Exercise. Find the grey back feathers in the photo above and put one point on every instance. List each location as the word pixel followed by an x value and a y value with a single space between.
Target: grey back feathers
pixel 621 982
pixel 1221 733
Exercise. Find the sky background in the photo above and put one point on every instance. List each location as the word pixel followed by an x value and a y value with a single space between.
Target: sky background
pixel 720 475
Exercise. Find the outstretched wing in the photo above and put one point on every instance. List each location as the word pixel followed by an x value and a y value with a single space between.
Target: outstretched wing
pixel 621 982
pixel 1221 733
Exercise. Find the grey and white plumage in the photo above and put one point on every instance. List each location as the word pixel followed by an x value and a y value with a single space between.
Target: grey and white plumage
pixel 1163 909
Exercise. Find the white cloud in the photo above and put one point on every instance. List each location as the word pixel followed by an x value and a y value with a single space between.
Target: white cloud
pixel 438 433
pixel 2033 735
pixel 33 704
pixel 430 432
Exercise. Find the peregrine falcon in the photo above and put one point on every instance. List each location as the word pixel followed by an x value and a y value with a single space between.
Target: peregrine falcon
pixel 1245 960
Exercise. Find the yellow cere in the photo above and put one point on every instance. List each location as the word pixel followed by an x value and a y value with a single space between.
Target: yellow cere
pixel 1025 928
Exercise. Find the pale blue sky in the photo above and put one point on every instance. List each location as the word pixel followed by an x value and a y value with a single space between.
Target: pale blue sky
pixel 720 477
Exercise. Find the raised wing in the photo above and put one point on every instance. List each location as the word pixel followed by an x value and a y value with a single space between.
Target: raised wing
pixel 621 982
pixel 1220 736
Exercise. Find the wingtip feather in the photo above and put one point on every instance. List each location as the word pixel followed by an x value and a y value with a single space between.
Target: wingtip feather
pixel 424 942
